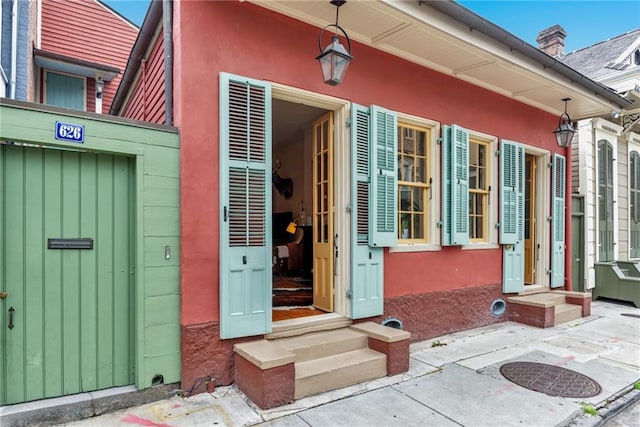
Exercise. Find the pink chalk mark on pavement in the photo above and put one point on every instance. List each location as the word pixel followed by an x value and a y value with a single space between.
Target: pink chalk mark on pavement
pixel 134 419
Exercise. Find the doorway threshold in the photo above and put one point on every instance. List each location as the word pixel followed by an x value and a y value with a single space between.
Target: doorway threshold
pixel 534 289
pixel 303 325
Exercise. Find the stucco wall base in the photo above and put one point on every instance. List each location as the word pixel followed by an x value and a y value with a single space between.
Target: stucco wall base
pixel 540 317
pixel 434 314
pixel 204 355
pixel 266 388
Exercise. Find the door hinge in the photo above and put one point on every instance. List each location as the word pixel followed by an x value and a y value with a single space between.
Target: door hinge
pixel 349 294
pixel 348 123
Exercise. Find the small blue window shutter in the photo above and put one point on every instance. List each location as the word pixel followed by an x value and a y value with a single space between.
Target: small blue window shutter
pixel 383 209
pixel 65 91
pixel 512 182
pixel 366 261
pixel 245 202
pixel 557 221
pixel 447 173
pixel 459 186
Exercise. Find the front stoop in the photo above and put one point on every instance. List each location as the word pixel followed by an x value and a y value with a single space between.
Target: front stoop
pixel 277 371
pixel 547 309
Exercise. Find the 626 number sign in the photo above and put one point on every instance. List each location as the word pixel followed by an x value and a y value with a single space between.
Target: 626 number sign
pixel 70 132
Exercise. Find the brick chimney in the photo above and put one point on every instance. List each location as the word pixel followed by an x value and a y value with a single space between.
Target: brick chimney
pixel 551 41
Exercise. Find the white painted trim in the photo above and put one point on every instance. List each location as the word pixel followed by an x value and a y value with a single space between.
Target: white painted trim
pixel 633 144
pixel 602 131
pixel 39 25
pixel 607 127
pixel 543 211
pixel 341 188
pixel 628 51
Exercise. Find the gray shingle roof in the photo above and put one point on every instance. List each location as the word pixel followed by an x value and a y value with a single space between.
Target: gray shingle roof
pixel 600 59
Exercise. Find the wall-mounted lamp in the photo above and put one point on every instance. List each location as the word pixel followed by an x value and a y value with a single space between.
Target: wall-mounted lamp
pixel 335 59
pixel 565 130
pixel 99 87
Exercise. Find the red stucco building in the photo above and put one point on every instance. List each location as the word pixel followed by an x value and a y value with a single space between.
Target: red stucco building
pixel 431 182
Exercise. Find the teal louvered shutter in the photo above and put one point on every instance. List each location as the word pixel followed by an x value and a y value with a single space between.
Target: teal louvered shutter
pixel 245 201
pixel 65 91
pixel 508 192
pixel 455 185
pixel 558 188
pixel 460 185
pixel 366 261
pixel 512 196
pixel 384 184
pixel 447 174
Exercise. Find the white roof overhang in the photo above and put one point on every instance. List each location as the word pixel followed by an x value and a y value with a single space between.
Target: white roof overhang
pixel 424 32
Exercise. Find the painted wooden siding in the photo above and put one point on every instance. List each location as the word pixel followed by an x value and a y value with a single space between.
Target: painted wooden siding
pixel 156 154
pixel 586 165
pixel 146 99
pixel 87 30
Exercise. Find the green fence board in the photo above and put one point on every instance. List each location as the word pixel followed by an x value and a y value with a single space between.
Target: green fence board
pixel 147 284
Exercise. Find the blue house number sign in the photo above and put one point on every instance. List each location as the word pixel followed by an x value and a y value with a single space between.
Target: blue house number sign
pixel 70 132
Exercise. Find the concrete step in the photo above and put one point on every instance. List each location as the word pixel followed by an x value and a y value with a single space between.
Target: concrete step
pixel 566 313
pixel 322 344
pixel 543 299
pixel 305 325
pixel 339 370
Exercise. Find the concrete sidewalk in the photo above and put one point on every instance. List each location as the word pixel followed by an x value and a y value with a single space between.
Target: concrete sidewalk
pixel 453 380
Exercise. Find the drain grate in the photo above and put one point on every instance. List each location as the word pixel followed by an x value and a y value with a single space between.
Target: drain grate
pixel 550 380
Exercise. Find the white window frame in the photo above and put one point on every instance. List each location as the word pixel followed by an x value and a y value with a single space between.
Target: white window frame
pixel 633 144
pixel 433 205
pixel 604 130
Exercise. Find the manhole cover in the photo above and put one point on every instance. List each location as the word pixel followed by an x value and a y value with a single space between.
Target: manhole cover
pixel 549 379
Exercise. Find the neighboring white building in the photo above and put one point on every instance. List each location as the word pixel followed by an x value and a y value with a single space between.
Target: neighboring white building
pixel 605 156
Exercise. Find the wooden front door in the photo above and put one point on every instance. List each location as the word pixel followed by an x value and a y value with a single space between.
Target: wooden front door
pixel 530 221
pixel 66 272
pixel 323 238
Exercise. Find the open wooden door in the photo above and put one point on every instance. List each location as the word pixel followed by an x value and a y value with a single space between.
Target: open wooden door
pixel 323 238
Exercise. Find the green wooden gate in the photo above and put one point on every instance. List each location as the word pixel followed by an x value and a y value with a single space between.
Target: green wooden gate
pixel 67 323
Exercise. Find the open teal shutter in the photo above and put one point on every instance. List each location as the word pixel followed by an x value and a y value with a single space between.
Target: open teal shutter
pixel 366 261
pixel 455 185
pixel 447 174
pixel 384 194
pixel 245 202
pixel 512 182
pixel 558 188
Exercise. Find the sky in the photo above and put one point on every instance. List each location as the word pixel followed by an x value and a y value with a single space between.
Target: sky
pixel 586 21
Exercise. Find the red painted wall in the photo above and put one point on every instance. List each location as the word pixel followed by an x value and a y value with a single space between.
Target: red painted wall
pixel 87 30
pixel 245 39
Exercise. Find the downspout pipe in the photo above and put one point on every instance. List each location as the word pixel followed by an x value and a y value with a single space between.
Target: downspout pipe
pixel 167 23
pixel 14 49
pixel 147 30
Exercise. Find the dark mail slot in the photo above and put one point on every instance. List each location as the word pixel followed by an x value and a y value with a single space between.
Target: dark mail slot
pixel 70 243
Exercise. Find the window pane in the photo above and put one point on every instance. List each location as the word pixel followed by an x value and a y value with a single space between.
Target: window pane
pixel 413 177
